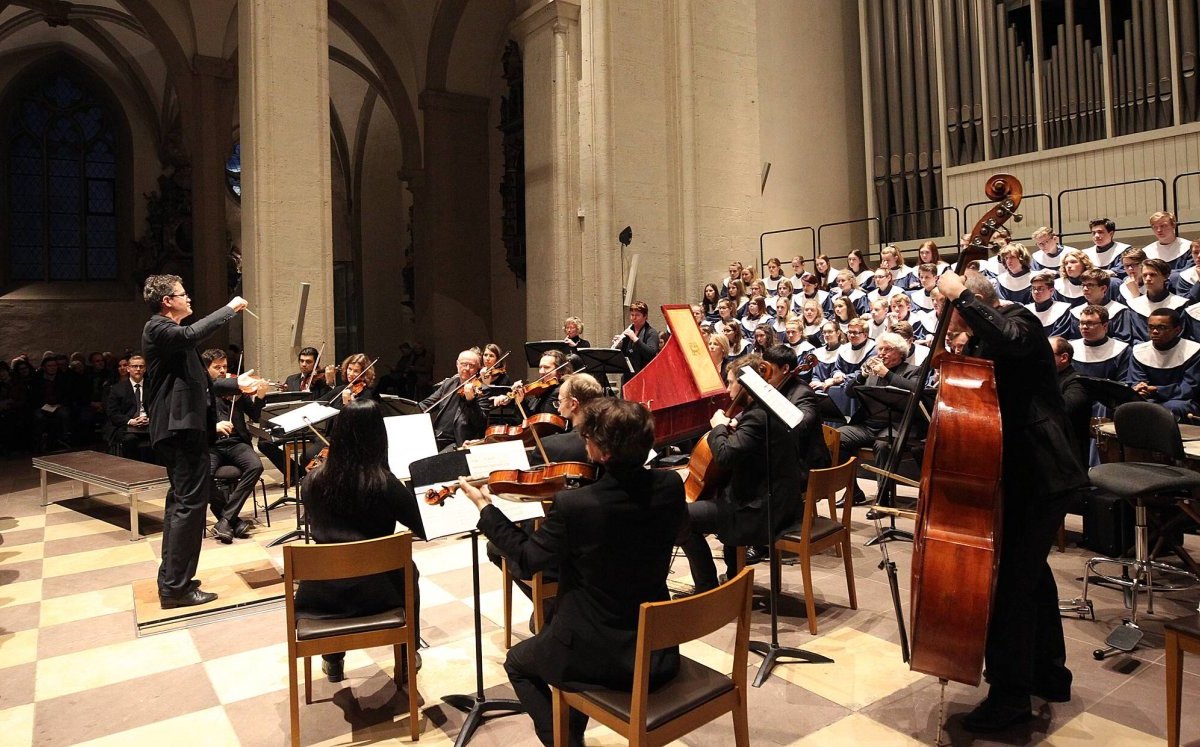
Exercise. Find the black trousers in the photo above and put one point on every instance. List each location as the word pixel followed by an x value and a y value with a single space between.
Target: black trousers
pixel 525 665
pixel 704 518
pixel 1025 648
pixel 134 445
pixel 185 455
pixel 242 456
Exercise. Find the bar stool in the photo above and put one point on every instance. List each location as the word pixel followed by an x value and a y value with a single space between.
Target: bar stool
pixel 1142 426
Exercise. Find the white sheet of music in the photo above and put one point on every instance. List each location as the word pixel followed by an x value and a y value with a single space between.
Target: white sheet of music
pixel 410 437
pixel 313 412
pixel 457 514
pixel 770 397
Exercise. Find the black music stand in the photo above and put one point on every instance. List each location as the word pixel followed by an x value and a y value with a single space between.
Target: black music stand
pixel 441 468
pixel 776 406
pixel 600 362
pixel 1111 394
pixel 536 349
pixel 885 403
pixel 394 405
pixel 296 437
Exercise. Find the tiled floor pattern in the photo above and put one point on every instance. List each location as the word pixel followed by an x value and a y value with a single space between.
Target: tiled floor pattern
pixel 74 672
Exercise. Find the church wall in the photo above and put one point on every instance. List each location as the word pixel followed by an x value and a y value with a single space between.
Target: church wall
pixel 811 120
pixel 104 316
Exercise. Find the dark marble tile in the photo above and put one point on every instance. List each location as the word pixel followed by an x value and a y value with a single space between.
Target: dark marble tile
pixel 19 617
pixel 99 578
pixel 16 537
pixel 87 542
pixel 81 635
pixel 18 686
pixel 240 634
pixel 12 573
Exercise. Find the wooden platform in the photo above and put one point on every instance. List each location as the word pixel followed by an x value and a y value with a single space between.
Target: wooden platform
pixel 241 590
pixel 123 476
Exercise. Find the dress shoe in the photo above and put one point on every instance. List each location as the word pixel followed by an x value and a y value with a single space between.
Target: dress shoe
pixel 222 531
pixel 1055 689
pixel 187 599
pixel 860 498
pixel 757 554
pixel 995 714
pixel 334 670
pixel 696 590
pixel 242 530
pixel 404 667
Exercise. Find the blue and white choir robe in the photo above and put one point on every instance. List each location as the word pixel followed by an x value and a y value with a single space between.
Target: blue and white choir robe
pixel 1174 371
pixel 1069 291
pixel 1106 359
pixel 1043 261
pixel 1055 317
pixel 1121 322
pixel 1108 258
pixel 857 298
pixel 1014 288
pixel 1183 281
pixel 921 300
pixel 1177 254
pixel 1142 307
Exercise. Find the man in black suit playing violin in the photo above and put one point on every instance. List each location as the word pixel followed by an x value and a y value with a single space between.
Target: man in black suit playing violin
pixel 1025 652
pixel 454 408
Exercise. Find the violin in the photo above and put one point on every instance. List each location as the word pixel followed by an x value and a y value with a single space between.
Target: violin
pixel 543 424
pixel 538 482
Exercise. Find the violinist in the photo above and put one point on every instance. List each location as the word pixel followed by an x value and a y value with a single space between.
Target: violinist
pixel 454 406
pixel 604 576
pixel 308 379
pixel 232 446
pixel 493 373
pixel 358 381
pixel 575 392
pixel 738 515
pixel 546 400
pixel 1025 653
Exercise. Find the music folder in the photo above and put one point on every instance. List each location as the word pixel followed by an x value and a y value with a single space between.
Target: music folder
pixel 534 350
pixel 770 397
pixel 604 361
pixel 300 418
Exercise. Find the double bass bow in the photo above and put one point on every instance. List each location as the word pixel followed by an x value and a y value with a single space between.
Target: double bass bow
pixel 958 510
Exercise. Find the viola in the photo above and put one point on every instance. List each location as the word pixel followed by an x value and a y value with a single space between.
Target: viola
pixel 544 424
pixel 538 482
pixel 318 460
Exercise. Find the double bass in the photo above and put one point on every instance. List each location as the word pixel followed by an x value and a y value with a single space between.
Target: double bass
pixel 957 537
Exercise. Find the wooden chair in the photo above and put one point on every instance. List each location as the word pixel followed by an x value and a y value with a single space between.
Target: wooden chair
pixel 697 695
pixel 308 638
pixel 815 533
pixel 1183 635
pixel 833 442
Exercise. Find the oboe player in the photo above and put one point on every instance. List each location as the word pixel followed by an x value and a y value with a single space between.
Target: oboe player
pixel 639 340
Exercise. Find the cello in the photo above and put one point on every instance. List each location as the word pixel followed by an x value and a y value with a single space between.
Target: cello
pixel 955 546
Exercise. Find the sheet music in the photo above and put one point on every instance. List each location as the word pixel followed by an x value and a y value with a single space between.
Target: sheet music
pixel 410 437
pixel 313 412
pixel 458 515
pixel 770 397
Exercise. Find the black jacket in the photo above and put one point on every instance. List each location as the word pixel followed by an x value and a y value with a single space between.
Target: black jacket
pixel 120 407
pixel 455 419
pixel 316 389
pixel 1039 457
pixel 177 385
pixel 641 352
pixel 611 543
pixel 1078 407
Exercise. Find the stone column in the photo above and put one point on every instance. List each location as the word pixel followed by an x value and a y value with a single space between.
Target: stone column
pixel 208 144
pixel 287 234
pixel 548 33
pixel 453 262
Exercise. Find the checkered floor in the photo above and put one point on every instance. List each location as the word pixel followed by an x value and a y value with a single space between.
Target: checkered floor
pixel 74 672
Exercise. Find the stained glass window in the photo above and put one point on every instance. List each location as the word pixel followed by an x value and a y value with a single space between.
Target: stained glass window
pixel 62 184
pixel 233 171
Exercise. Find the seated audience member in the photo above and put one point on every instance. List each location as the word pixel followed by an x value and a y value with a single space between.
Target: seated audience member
pixel 1131 284
pixel 573 331
pixel 709 300
pixel 1049 250
pixel 847 288
pixel 1068 288
pixel 738 514
pixel 826 373
pixel 1155 295
pixel 1105 251
pixel 1055 316
pixel 1012 283
pixel 735 273
pixel 99 379
pixel 1075 397
pixel 856 262
pixel 1168 246
pixel 604 576
pixel 50 402
pixel 1183 282
pixel 1097 354
pixel 884 287
pixel 901 311
pixel 922 299
pixel 774 275
pixel 232 445
pixel 928 254
pixel 354 496
pixel 890 258
pixel 126 425
pixel 307 379
pixel 878 320
pixel 1166 369
pixel 1122 323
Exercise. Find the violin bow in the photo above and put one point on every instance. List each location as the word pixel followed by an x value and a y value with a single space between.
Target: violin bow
pixel 536 438
pixel 316 366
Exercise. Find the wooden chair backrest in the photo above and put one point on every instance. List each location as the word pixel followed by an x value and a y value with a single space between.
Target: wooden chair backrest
pixel 664 624
pixel 347 559
pixel 833 442
pixel 823 484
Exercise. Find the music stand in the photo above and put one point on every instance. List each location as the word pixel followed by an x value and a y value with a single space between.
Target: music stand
pixel 394 405
pixel 885 403
pixel 442 468
pixel 1109 393
pixel 600 362
pixel 777 406
pixel 536 349
pixel 294 426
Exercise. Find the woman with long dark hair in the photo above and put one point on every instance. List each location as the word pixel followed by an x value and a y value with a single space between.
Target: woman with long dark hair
pixel 354 496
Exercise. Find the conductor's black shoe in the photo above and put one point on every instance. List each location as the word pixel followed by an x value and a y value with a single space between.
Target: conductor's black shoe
pixel 222 531
pixel 334 670
pixel 187 599
pixel 994 714
pixel 757 554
